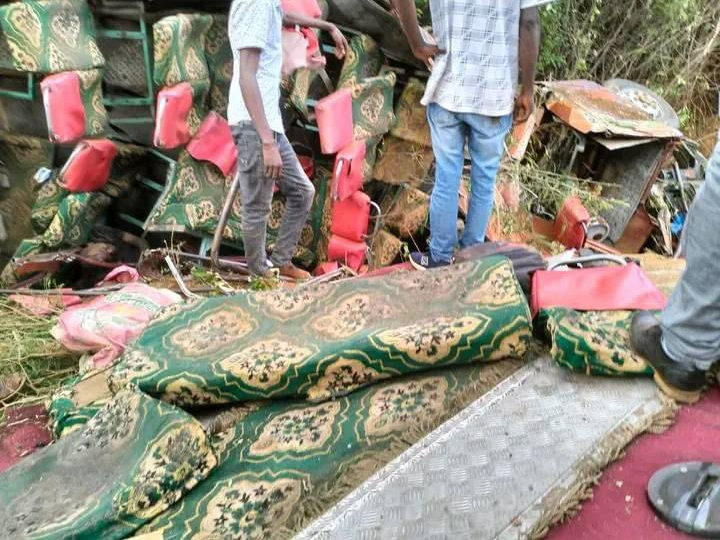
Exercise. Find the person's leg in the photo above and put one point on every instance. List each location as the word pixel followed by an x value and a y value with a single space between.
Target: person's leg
pixel 449 133
pixel 487 136
pixel 299 193
pixel 255 196
pixel 691 320
pixel 686 342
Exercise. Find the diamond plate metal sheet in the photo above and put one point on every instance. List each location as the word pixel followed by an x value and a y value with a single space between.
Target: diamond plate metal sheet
pixel 485 473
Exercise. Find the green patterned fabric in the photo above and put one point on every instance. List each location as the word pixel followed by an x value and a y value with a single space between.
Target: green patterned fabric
pixel 96 117
pixel 22 157
pixel 406 213
pixel 364 59
pixel 286 463
pixel 129 463
pixel 193 200
pixel 403 162
pixel 593 342
pixel 62 219
pixel 412 123
pixel 220 63
pixel 47 205
pixel 312 341
pixel 49 36
pixel 66 417
pixel 179 49
pixel 373 114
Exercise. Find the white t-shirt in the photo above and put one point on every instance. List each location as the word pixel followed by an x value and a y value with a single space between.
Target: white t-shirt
pixel 479 72
pixel 257 24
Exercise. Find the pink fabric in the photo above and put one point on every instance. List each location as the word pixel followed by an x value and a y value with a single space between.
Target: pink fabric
pixel 88 167
pixel 45 305
pixel 64 109
pixel 301 49
pixel 171 120
pixel 351 217
pixel 106 325
pixel 214 143
pixel 121 274
pixel 309 8
pixel 25 430
pixel 335 121
pixel 348 173
pixel 345 251
pixel 326 268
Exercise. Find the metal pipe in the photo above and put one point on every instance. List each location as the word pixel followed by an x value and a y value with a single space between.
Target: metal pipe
pixel 215 261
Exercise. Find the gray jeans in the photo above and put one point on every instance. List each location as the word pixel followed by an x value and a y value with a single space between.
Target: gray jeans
pixel 691 320
pixel 256 193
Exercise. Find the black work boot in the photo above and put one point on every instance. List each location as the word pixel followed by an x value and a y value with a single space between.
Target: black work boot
pixel 679 381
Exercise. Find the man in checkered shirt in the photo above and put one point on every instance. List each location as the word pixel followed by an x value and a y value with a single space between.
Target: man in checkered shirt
pixel 470 98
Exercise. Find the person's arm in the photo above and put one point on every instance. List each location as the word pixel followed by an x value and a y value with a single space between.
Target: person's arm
pixel 407 13
pixel 341 44
pixel 529 49
pixel 249 61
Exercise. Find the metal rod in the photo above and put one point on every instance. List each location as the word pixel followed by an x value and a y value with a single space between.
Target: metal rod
pixel 215 261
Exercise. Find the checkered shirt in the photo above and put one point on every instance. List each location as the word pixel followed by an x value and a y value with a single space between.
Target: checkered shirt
pixel 479 71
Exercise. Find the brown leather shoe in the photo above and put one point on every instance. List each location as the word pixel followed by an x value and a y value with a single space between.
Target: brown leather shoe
pixel 679 381
pixel 293 272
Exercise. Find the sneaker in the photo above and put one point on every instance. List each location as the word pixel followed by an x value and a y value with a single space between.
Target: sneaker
pixel 293 272
pixel 425 261
pixel 681 382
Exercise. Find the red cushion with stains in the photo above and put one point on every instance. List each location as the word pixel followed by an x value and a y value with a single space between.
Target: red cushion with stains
pixel 345 251
pixel 310 8
pixel 64 109
pixel 348 173
pixel 88 167
pixel 335 121
pixel 351 217
pixel 214 143
pixel 171 121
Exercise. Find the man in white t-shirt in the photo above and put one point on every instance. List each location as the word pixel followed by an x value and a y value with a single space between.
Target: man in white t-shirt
pixel 265 156
pixel 471 96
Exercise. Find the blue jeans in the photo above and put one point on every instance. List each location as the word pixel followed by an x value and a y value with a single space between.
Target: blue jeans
pixel 691 320
pixel 450 132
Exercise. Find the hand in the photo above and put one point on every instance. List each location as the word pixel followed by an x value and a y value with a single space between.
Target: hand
pixel 272 160
pixel 524 106
pixel 341 44
pixel 427 52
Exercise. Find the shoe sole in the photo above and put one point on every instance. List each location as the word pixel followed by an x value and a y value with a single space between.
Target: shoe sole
pixel 417 266
pixel 683 396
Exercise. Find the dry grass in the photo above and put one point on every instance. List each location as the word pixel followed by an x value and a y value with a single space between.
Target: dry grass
pixel 28 350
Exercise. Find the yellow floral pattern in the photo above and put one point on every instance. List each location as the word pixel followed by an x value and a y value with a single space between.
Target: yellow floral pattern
pixel 215 331
pixel 431 341
pixel 247 508
pixel 396 407
pixel 342 377
pixel 264 364
pixel 301 430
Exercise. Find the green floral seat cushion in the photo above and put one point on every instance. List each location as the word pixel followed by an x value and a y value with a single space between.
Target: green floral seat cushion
pixel 129 463
pixel 593 342
pixel 49 36
pixel 193 199
pixel 412 124
pixel 373 114
pixel 220 63
pixel 179 49
pixel 285 463
pixel 295 343
pixel 364 59
pixel 406 213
